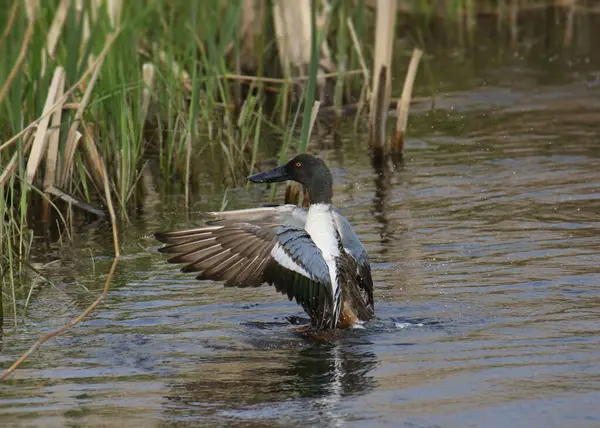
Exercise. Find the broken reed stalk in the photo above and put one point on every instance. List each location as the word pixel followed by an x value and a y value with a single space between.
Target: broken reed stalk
pixel 397 146
pixel 111 209
pixel 52 149
pixel 71 145
pixel 92 156
pixel 379 112
pixel 55 31
pixel 73 133
pixel 53 139
pixel 59 103
pixel 20 59
pixel 40 143
pixel 382 77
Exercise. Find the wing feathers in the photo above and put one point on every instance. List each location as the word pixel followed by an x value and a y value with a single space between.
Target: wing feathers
pixel 244 254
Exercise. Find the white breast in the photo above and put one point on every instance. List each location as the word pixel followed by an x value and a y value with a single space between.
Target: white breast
pixel 320 225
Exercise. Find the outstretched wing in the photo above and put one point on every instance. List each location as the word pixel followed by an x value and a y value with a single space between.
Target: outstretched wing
pixel 250 254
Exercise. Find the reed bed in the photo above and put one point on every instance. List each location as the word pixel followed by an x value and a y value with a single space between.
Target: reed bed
pixel 102 100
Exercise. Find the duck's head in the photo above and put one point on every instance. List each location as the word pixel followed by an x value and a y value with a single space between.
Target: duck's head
pixel 305 169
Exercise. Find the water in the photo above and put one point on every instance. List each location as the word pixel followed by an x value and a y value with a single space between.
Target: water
pixel 486 268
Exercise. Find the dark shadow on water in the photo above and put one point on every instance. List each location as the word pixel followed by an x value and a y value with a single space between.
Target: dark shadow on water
pixel 274 375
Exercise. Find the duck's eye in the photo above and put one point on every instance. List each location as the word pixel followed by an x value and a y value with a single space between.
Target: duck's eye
pixel 298 164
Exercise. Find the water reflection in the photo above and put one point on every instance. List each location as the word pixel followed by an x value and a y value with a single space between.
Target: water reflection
pixel 384 168
pixel 319 375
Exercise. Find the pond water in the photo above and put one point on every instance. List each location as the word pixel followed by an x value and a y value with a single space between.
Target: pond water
pixel 486 263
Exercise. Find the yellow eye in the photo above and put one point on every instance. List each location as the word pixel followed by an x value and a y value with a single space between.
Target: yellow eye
pixel 298 164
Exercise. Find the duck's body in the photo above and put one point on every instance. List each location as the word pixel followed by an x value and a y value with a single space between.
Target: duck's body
pixel 312 255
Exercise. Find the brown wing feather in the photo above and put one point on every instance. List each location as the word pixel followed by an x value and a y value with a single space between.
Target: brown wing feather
pixel 236 253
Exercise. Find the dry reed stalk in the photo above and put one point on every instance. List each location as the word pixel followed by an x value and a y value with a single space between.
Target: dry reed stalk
pixel 572 5
pixel 379 114
pixel 111 210
pixel 404 102
pixel 175 68
pixel 58 104
pixel 292 33
pixel 9 168
pixel 93 158
pixel 31 8
pixel 114 12
pixel 40 144
pixel 65 327
pixel 293 36
pixel 73 132
pixel 52 152
pixel 85 35
pixel 313 116
pixel 12 15
pixel 384 41
pixel 149 77
pixel 12 164
pixel 257 79
pixel 19 62
pixel 70 106
pixel 68 154
pixel 55 30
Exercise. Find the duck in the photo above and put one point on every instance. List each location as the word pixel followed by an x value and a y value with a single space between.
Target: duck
pixel 312 254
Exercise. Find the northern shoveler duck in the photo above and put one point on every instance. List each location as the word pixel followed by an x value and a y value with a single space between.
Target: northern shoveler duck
pixel 312 255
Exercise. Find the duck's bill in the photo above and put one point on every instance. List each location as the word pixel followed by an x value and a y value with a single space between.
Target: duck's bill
pixel 270 176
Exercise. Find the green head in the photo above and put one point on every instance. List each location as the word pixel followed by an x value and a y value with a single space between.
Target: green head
pixel 305 169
